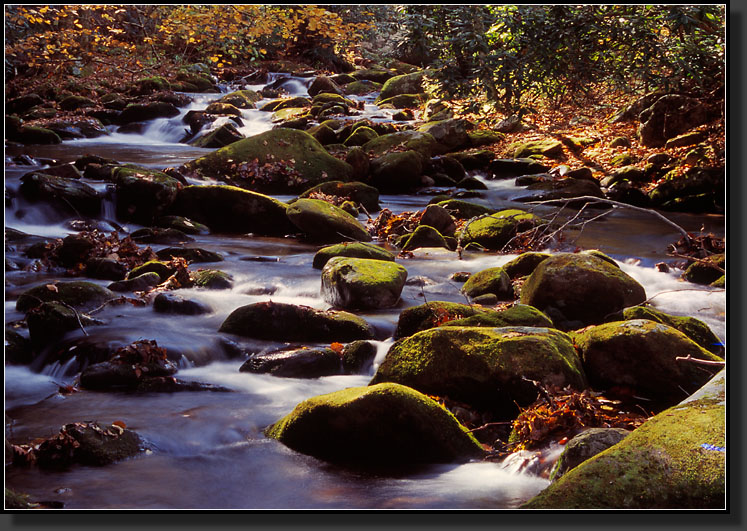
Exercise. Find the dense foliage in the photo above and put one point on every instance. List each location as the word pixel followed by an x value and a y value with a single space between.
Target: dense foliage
pixel 510 55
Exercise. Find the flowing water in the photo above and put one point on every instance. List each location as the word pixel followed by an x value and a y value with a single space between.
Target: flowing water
pixel 206 450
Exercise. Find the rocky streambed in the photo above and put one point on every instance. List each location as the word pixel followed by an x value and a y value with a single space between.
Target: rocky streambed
pixel 333 313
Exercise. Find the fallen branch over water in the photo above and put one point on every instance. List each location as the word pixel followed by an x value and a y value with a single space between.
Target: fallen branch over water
pixel 701 362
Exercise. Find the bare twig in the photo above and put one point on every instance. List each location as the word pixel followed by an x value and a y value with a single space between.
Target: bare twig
pixel 701 362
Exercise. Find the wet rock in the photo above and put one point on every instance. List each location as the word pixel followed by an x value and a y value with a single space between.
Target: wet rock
pixel 288 322
pixel 359 192
pixel 23 103
pixel 450 133
pixel 212 279
pixel 397 172
pixel 299 363
pixel 640 354
pixel 105 269
pixel 464 209
pixel 360 283
pixel 30 135
pixel 493 280
pixel 439 218
pixel 49 321
pixel 83 127
pixel 676 460
pixel 385 424
pixel 296 159
pixel 233 210
pixel 180 223
pixel 576 290
pixel 351 250
pixel 524 264
pixel 222 136
pixel 323 84
pixel 81 295
pixel 142 282
pixel 163 269
pixel 140 112
pixel 173 303
pixel 402 84
pixel 190 254
pixel 408 140
pixel 484 367
pixel 561 189
pixel 243 99
pixel 516 315
pixel 130 365
pixel 360 136
pixel 18 349
pixel 423 236
pixel 323 221
pixel 508 168
pixel 693 328
pixel 67 195
pixel 358 357
pixel 584 446
pixel 707 271
pixel 143 194
pixel 496 230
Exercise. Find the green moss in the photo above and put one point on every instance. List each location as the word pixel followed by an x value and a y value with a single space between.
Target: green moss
pixel 516 315
pixel 212 279
pixel 661 465
pixel 524 264
pixel 380 424
pixel 362 283
pixel 496 230
pixel 423 236
pixel 352 250
pixel 492 280
pixel 693 328
pixel 324 221
pixel 422 143
pixel 464 209
pixel 546 148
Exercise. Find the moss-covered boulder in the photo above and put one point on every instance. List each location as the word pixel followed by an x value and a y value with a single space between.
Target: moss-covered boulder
pixel 325 222
pixel 485 367
pixel 141 112
pixel 675 460
pixel 422 143
pixel 402 101
pixel 516 315
pixel 524 264
pixel 423 236
pixel 496 230
pixel 286 103
pixel 219 137
pixel 243 99
pixel 68 195
pixel 295 363
pixel 358 192
pixel 32 134
pixel 397 172
pixel 212 279
pixel 361 283
pixel 277 161
pixel 439 218
pixel 507 168
pixel 358 357
pixel 386 424
pixel 360 136
pixel 546 148
pixel 693 328
pixel 233 210
pixel 49 321
pixel 352 250
pixel 288 322
pixel 451 133
pixel 580 289
pixel 402 84
pixel 584 446
pixel 706 271
pixel 641 355
pixel 362 87
pixel 81 295
pixel 492 280
pixel 143 194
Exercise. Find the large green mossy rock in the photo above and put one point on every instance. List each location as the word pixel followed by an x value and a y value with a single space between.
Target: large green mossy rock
pixel 359 192
pixel 580 289
pixel 243 99
pixel 361 283
pixel 706 271
pixel 408 140
pixel 440 313
pixel 325 222
pixel 693 328
pixel 403 84
pixel 351 250
pixel 524 264
pixel 485 367
pixel 143 194
pixel 277 161
pixel 675 460
pixel 492 280
pixel 546 148
pixel 385 424
pixel 288 322
pixel 233 210
pixel 423 236
pixel 496 230
pixel 641 354
pixel 397 172
pixel 450 133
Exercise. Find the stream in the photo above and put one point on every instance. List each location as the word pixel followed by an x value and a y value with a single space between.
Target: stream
pixel 206 450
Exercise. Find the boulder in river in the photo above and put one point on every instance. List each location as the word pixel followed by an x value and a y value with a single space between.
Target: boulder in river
pixel 296 363
pixel 143 194
pixel 361 283
pixel 402 84
pixel 278 161
pixel 325 222
pixel 642 355
pixel 352 250
pixel 488 368
pixel 385 424
pixel 524 264
pixel 289 322
pixel 81 295
pixel 356 191
pixel 675 460
pixel 584 446
pixel 579 289
pixel 397 172
pixel 233 210
pixel 496 230
pixel 492 280
pixel 66 194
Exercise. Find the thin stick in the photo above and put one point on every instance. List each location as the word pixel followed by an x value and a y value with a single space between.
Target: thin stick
pixel 700 362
